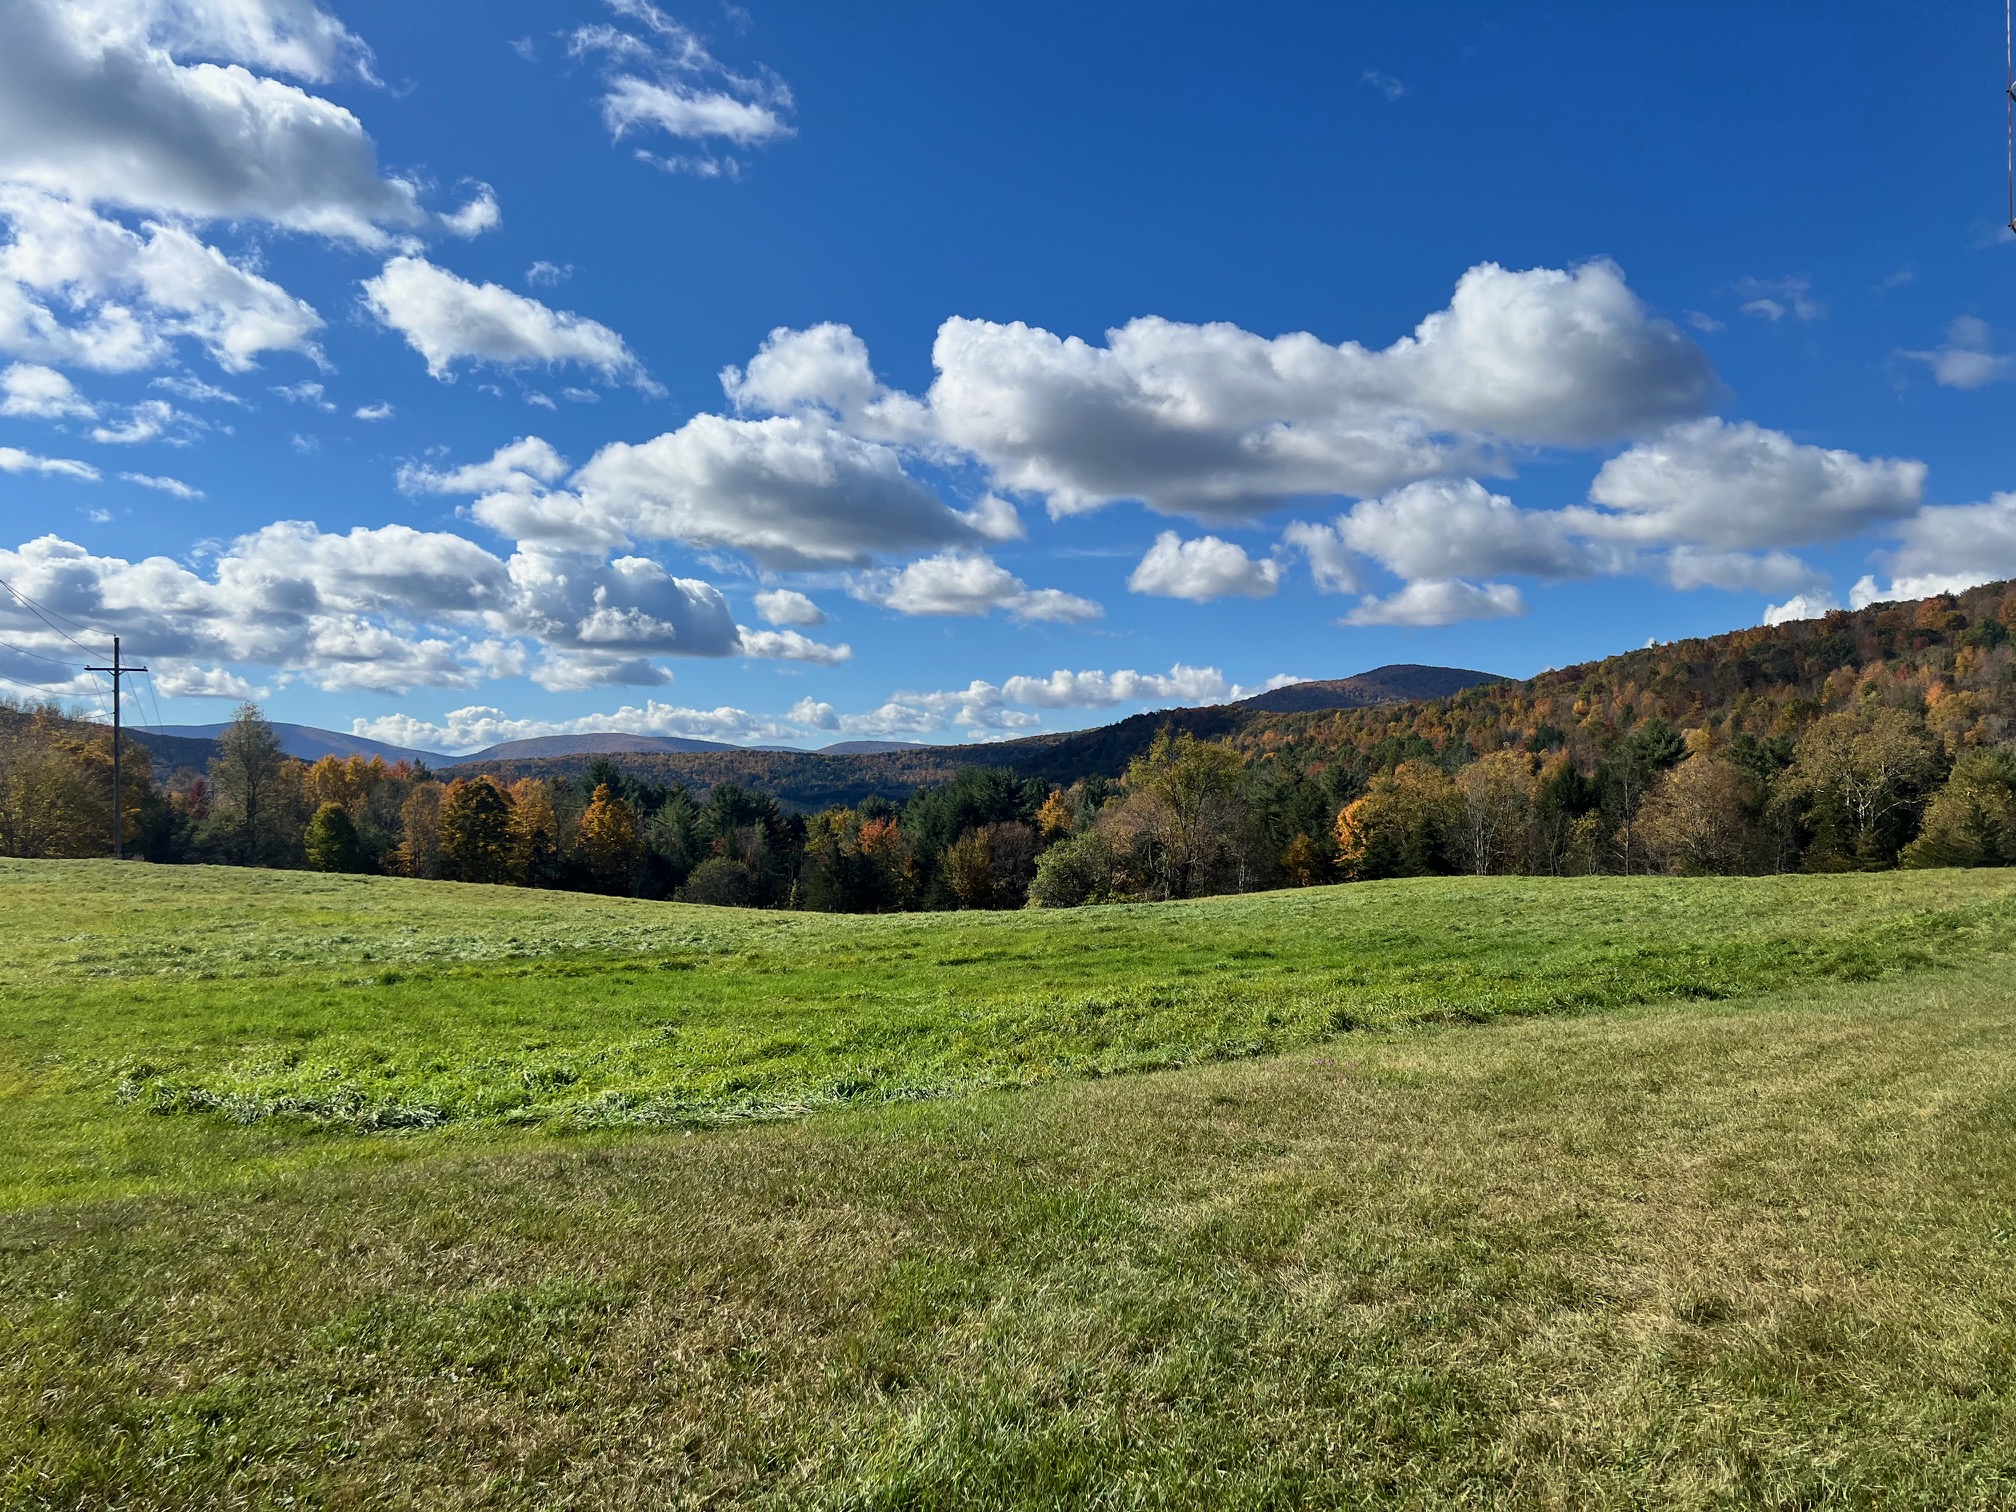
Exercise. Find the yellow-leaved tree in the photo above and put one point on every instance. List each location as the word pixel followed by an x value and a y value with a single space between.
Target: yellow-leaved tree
pixel 610 841
pixel 535 833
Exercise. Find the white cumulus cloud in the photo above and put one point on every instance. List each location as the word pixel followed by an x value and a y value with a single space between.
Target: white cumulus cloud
pixel 790 645
pixel 1456 528
pixel 1202 570
pixel 1432 602
pixel 447 320
pixel 1221 424
pixel 79 290
pixel 392 608
pixel 659 77
pixel 1801 606
pixel 1737 487
pixel 1329 558
pixel 15 460
pixel 524 465
pixel 32 391
pixel 1740 571
pixel 792 491
pixel 968 583
pixel 1947 549
pixel 160 484
pixel 786 606
pixel 1102 690
pixel 473 728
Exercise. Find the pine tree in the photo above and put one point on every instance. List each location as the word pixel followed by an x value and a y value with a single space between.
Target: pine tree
pixel 331 842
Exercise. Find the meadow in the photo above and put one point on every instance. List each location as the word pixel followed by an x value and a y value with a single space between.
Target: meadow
pixel 1519 1191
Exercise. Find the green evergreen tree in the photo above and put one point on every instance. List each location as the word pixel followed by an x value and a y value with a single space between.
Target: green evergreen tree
pixel 331 842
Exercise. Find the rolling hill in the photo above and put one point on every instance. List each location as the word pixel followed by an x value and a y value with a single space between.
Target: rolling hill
pixel 1404 682
pixel 194 745
pixel 609 744
pixel 851 770
pixel 1954 655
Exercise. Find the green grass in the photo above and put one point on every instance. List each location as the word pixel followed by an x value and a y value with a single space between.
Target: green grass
pixel 1744 1237
pixel 299 1006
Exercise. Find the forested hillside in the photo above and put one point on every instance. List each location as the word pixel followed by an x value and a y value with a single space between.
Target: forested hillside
pixel 1858 741
pixel 1950 656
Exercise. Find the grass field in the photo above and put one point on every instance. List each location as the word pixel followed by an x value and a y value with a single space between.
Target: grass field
pixel 1603 1193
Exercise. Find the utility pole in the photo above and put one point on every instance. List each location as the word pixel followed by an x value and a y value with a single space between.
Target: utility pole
pixel 118 670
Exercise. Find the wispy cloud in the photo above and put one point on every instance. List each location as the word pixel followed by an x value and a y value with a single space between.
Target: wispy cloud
pixel 1776 298
pixel 659 77
pixel 1383 84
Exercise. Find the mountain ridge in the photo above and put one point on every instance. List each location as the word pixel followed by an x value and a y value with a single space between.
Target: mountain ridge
pixel 1398 682
pixel 303 742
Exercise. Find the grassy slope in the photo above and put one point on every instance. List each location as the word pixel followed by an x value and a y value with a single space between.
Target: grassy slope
pixel 1753 1253
pixel 304 1008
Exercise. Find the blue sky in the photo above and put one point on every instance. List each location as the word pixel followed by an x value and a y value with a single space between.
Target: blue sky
pixel 461 371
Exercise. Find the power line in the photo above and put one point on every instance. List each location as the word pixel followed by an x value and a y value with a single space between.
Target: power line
pixel 37 655
pixel 42 608
pixel 101 693
pixel 43 688
pixel 45 693
pixel 153 702
pixel 43 615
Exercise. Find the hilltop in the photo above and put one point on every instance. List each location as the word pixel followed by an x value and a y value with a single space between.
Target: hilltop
pixel 1951 656
pixel 195 745
pixel 1403 682
pixel 1768 681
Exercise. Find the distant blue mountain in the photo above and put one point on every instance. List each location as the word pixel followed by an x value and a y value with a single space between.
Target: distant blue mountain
pixel 304 742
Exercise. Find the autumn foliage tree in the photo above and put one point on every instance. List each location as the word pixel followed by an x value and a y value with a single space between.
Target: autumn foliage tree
pixel 1494 812
pixel 475 826
pixel 856 862
pixel 533 833
pixel 1699 818
pixel 418 853
pixel 610 841
pixel 991 867
pixel 248 787
pixel 56 785
pixel 1408 824
pixel 1181 813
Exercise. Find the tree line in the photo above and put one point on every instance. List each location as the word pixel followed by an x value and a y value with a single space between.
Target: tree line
pixel 1861 741
pixel 1862 788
